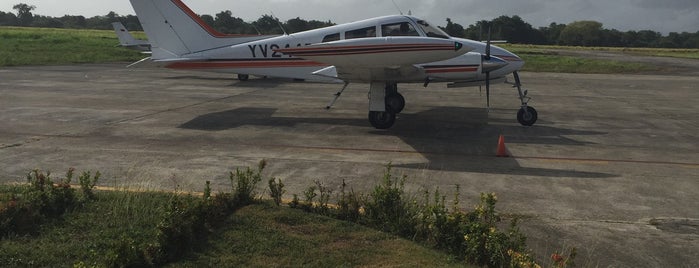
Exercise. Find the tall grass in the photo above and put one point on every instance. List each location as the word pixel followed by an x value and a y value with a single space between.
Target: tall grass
pixel 46 46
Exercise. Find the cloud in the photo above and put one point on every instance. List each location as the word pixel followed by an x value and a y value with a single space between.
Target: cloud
pixel 664 16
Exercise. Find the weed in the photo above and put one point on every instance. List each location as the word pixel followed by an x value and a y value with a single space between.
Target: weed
pixel 294 201
pixel 87 183
pixel 349 204
pixel 244 183
pixel 323 198
pixel 276 190
pixel 310 195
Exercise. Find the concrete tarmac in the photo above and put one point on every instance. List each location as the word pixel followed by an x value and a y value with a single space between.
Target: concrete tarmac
pixel 611 167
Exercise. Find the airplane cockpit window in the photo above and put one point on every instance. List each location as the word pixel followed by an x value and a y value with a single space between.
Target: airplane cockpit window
pixel 398 29
pixel 361 33
pixel 331 37
pixel 432 31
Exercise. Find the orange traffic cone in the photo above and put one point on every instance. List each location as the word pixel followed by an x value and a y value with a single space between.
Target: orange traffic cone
pixel 502 152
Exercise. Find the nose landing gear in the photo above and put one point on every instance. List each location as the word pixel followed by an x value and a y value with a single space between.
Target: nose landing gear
pixel 526 115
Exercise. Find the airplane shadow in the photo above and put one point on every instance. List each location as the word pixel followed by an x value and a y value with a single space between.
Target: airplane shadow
pixel 450 138
pixel 254 82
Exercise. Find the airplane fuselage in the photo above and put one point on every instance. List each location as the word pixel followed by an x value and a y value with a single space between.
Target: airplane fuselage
pixel 262 58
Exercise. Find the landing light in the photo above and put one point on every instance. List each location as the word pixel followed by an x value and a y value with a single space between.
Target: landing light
pixel 457 46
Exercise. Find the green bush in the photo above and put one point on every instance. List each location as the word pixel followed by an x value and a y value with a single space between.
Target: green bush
pixel 245 182
pixel 388 208
pixel 470 236
pixel 41 199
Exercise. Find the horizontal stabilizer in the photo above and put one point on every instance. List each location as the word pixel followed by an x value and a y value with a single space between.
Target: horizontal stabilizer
pixel 330 72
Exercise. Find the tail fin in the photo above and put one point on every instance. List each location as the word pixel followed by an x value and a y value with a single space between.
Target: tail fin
pixel 125 38
pixel 174 30
pixel 128 41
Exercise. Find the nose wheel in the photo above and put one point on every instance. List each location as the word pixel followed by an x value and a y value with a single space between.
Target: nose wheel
pixel 526 115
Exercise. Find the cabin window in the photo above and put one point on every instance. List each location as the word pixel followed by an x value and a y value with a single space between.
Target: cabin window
pixel 398 29
pixel 432 31
pixel 331 37
pixel 361 33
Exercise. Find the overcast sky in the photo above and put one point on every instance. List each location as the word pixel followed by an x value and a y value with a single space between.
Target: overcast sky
pixel 658 15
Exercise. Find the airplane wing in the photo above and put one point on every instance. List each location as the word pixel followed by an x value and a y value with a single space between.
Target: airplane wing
pixel 367 58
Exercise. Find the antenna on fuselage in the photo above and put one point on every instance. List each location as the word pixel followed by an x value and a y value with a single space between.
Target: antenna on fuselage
pixel 398 8
pixel 255 27
pixel 279 23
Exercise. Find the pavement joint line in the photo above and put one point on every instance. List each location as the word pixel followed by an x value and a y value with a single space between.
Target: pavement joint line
pixel 573 159
pixel 169 110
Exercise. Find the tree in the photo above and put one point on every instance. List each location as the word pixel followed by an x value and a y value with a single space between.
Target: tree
pixel 581 33
pixel 224 22
pixel 454 29
pixel 24 14
pixel 73 21
pixel 268 25
pixel 552 33
pixel 8 19
pixel 296 25
pixel 208 19
pixel 46 22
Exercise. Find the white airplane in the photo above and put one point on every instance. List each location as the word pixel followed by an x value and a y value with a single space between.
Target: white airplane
pixel 127 40
pixel 381 51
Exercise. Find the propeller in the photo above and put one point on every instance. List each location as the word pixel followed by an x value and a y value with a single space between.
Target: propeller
pixel 487 73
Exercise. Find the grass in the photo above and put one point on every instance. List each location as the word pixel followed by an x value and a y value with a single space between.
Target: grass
pixel 261 234
pixel 660 52
pixel 264 235
pixel 77 236
pixel 569 64
pixel 43 46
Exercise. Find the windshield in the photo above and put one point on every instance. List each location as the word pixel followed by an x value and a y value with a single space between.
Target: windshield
pixel 432 31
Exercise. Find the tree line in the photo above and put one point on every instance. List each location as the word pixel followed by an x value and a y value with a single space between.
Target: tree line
pixel 512 29
pixel 580 33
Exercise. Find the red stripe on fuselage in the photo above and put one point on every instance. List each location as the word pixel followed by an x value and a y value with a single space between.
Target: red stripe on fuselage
pixel 366 48
pixel 219 64
pixel 451 70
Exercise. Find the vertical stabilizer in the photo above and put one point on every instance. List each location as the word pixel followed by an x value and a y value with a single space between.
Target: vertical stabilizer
pixel 174 30
pixel 127 40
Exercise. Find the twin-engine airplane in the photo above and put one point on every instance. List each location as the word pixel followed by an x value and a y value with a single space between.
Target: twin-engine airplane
pixel 382 51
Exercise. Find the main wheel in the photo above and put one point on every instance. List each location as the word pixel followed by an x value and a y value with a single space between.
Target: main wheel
pixel 527 117
pixel 382 120
pixel 243 77
pixel 395 102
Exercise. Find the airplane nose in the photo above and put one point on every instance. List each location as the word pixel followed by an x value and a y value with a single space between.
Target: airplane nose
pixel 492 63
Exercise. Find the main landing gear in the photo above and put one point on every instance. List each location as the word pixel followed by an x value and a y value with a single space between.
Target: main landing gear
pixel 393 103
pixel 243 77
pixel 526 115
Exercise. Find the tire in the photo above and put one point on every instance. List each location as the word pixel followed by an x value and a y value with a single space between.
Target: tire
pixel 382 120
pixel 243 77
pixel 395 103
pixel 528 117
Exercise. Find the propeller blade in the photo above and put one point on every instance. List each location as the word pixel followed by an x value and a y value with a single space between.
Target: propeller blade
pixel 487 89
pixel 487 46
